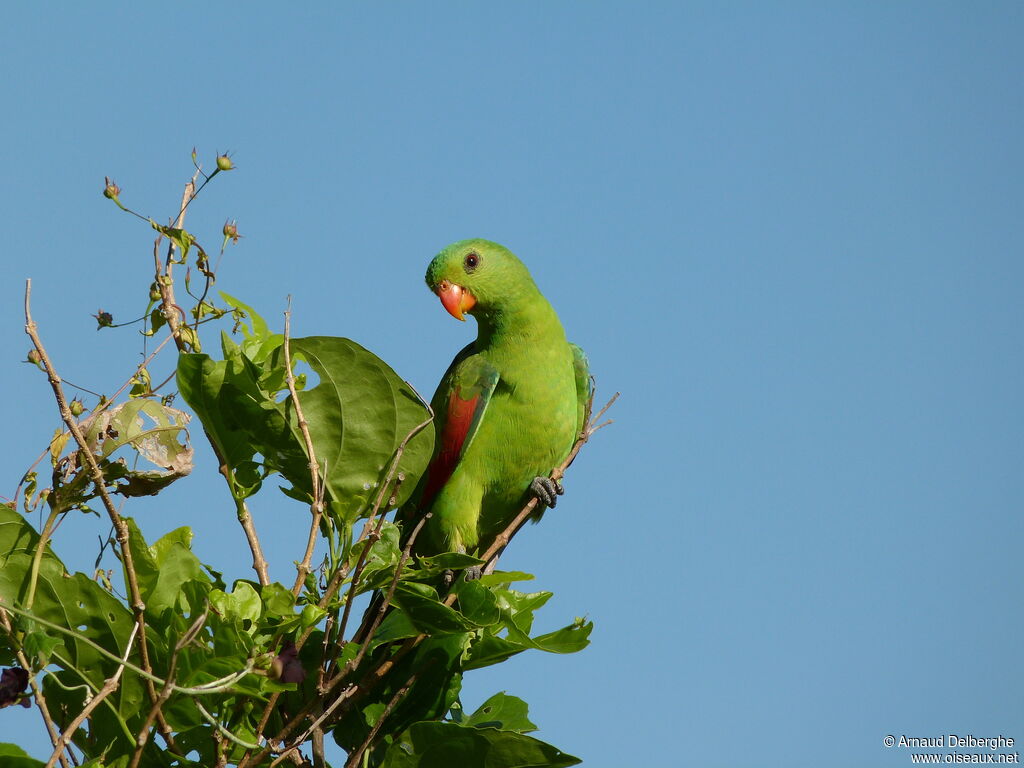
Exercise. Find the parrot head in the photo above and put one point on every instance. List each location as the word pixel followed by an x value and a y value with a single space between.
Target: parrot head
pixel 473 276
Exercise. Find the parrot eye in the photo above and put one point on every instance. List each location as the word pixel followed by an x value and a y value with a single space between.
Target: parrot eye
pixel 471 261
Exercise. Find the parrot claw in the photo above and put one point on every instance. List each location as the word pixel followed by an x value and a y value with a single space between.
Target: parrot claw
pixel 546 490
pixel 472 573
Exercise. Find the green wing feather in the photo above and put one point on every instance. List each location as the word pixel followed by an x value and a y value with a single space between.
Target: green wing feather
pixel 584 386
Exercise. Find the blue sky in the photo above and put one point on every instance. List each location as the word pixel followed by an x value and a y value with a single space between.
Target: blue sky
pixel 790 234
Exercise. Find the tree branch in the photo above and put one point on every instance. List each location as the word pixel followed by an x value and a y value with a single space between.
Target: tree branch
pixel 109 686
pixel 317 507
pixel 170 309
pixel 96 474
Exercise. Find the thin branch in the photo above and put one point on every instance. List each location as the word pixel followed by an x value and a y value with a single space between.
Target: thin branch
pixel 164 280
pixel 353 664
pixel 382 609
pixel 96 474
pixel 317 507
pixel 503 538
pixel 356 757
pixel 259 562
pixel 376 507
pixel 109 686
pixel 357 572
pixel 110 400
pixel 169 307
pixel 168 688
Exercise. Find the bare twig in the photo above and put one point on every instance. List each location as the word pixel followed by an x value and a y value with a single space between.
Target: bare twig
pixel 382 609
pixel 169 307
pixel 259 562
pixel 109 686
pixel 165 693
pixel 356 572
pixel 341 573
pixel 502 539
pixel 356 757
pixel 164 279
pixel 351 665
pixel 376 507
pixel 96 474
pixel 317 507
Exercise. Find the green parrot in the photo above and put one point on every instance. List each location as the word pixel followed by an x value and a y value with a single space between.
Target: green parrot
pixel 508 409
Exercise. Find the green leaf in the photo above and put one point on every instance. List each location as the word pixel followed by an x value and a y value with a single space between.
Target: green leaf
pixel 440 745
pixel 242 605
pixel 13 756
pixel 395 626
pixel 421 605
pixel 489 650
pixel 311 615
pixel 180 237
pixel 504 578
pixel 278 600
pixel 164 569
pixel 156 321
pixel 224 396
pixel 504 712
pixel 358 414
pixel 456 561
pixel 477 603
pixel 259 341
pixel 569 639
pixel 37 643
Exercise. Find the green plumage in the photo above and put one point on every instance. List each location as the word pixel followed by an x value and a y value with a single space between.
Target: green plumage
pixel 508 409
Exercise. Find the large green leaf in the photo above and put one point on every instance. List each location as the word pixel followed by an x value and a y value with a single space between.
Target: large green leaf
pixel 224 396
pixel 358 414
pixel 441 745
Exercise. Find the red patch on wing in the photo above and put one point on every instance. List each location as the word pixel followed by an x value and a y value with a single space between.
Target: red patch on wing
pixel 453 437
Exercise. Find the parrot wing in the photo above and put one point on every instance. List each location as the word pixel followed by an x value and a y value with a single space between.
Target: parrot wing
pixel 459 404
pixel 584 387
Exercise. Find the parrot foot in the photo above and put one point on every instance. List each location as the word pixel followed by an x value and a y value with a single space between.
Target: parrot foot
pixel 472 573
pixel 546 490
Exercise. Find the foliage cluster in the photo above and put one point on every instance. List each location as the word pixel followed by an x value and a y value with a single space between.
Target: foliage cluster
pixel 165 664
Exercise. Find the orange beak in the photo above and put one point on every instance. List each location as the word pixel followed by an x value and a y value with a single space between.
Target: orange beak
pixel 456 299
